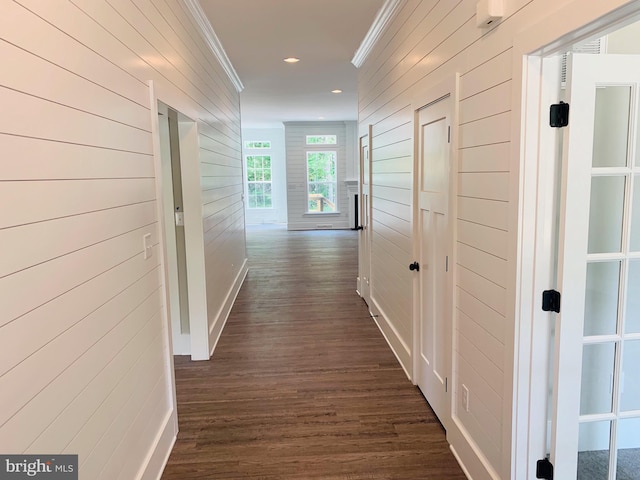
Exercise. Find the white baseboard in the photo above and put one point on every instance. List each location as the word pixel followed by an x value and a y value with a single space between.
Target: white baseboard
pixel 399 348
pixel 468 453
pixel 158 456
pixel 215 330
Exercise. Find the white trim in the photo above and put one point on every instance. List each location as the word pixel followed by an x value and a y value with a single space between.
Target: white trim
pixel 558 31
pixel 212 40
pixel 157 458
pixel 223 314
pixel 398 346
pixel 385 15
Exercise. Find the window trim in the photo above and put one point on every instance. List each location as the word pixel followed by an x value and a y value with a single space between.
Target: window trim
pixel 247 181
pixel 321 144
pixel 335 182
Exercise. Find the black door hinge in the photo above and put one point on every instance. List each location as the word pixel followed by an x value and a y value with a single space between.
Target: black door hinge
pixel 544 469
pixel 414 266
pixel 551 301
pixel 559 115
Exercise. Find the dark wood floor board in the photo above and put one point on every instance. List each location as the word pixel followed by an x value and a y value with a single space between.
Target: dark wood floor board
pixel 302 384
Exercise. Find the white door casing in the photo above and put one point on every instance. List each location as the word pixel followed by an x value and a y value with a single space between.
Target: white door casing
pixel 599 255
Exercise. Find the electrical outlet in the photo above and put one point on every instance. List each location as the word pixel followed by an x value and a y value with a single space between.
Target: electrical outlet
pixel 465 397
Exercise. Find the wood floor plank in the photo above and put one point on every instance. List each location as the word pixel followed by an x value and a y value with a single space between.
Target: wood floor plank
pixel 302 384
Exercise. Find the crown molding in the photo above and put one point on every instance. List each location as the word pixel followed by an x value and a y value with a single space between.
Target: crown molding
pixel 385 15
pixel 213 42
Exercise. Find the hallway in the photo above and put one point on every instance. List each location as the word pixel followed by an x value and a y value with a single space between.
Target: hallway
pixel 302 385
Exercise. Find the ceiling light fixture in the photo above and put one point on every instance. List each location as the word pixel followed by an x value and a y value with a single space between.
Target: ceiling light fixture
pixel 292 60
pixel 337 90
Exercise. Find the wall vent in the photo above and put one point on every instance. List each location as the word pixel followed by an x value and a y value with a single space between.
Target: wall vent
pixel 594 47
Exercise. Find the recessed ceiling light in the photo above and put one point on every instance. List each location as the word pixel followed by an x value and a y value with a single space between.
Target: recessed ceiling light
pixel 320 118
pixel 337 90
pixel 292 60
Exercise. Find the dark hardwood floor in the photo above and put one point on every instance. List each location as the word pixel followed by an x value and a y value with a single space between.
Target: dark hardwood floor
pixel 302 385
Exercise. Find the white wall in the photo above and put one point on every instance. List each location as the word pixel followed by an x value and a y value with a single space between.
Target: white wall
pixel 295 137
pixel 427 42
pixel 277 214
pixel 84 362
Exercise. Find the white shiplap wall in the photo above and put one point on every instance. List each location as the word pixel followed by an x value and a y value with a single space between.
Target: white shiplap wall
pixel 427 42
pixel 295 140
pixel 84 360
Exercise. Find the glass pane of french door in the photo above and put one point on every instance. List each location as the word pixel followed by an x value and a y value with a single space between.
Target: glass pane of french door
pixel 609 432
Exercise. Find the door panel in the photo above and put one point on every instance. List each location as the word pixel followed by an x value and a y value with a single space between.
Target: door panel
pixel 597 330
pixel 434 361
pixel 364 270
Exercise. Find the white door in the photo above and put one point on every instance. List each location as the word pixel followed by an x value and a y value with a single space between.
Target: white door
pixel 434 335
pixel 364 213
pixel 596 401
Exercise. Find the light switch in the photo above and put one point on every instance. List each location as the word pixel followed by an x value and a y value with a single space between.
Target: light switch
pixel 147 246
pixel 179 219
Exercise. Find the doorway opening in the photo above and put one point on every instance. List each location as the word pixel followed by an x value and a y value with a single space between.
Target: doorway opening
pixel 585 396
pixel 181 230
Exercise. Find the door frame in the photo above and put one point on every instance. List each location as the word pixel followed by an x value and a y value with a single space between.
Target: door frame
pixel 193 228
pixel 364 237
pixel 532 200
pixel 448 87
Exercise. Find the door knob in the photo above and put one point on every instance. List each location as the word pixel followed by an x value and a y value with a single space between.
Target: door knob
pixel 414 266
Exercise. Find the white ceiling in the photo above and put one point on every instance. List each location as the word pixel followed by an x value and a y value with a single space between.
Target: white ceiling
pixel 258 34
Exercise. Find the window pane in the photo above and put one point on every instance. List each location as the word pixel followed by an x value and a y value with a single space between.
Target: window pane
pixel 630 388
pixel 597 378
pixel 257 144
pixel 635 220
pixel 593 451
pixel 611 126
pixel 322 139
pixel 632 314
pixel 601 298
pixel 259 180
pixel 322 181
pixel 628 448
pixel 605 214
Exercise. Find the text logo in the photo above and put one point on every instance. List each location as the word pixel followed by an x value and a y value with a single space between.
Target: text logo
pixel 49 467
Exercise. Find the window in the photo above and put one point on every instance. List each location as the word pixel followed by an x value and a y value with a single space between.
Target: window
pixel 259 181
pixel 257 145
pixel 322 182
pixel 322 139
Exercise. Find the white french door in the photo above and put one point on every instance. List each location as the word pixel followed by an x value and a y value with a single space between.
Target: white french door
pixel 595 430
pixel 434 237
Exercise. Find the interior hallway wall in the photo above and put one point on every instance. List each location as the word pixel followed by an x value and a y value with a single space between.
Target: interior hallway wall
pixel 84 364
pixel 427 42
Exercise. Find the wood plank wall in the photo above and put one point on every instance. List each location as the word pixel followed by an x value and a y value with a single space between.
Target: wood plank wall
pixel 427 42
pixel 295 141
pixel 83 344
